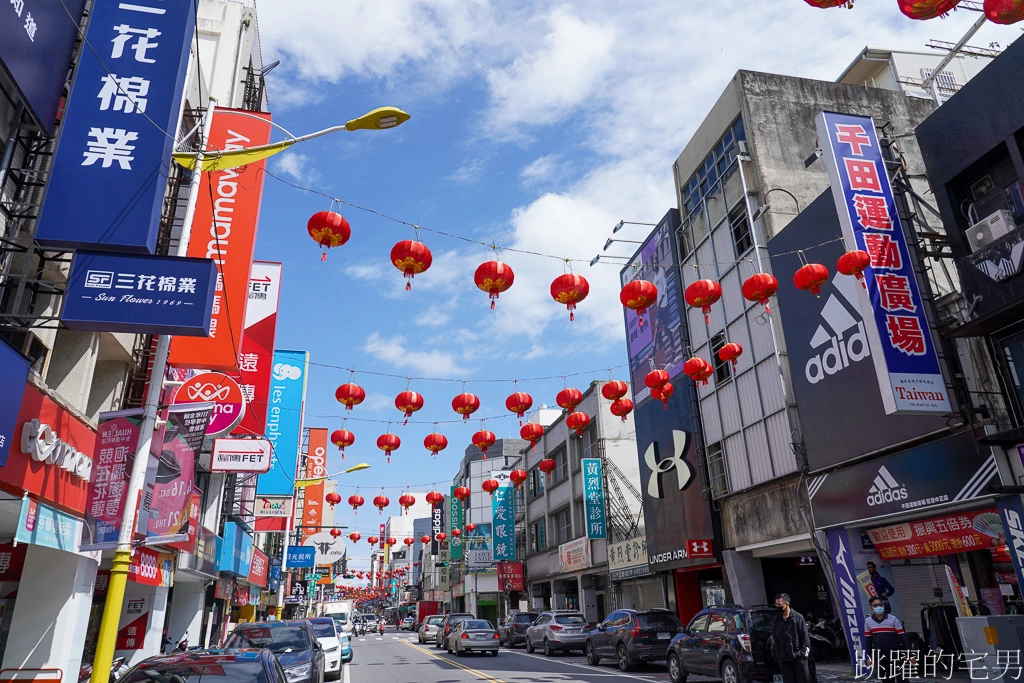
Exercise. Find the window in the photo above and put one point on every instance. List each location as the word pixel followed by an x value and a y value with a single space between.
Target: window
pixel 561 472
pixel 563 526
pixel 718 478
pixel 699 623
pixel 740 228
pixel 581 518
pixel 719 623
pixel 536 483
pixel 537 540
pixel 723 368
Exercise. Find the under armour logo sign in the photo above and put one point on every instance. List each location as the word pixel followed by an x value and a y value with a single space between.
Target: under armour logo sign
pixel 676 461
pixel 699 547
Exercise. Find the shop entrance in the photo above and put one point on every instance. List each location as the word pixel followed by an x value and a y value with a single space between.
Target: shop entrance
pixel 803 579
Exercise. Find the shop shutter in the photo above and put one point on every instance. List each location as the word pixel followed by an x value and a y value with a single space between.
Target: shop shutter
pixel 914 584
pixel 647 594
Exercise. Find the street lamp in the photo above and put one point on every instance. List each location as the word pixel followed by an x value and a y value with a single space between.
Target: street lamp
pixel 619 225
pixel 301 483
pixel 610 241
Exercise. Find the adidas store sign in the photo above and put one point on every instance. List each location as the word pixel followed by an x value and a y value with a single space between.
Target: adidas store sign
pixel 839 340
pixel 885 489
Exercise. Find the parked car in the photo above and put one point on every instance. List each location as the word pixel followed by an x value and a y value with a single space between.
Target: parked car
pixel 512 629
pixel 557 630
pixel 727 641
pixel 329 634
pixel 630 637
pixel 444 629
pixel 428 629
pixel 409 624
pixel 195 666
pixel 472 635
pixel 293 642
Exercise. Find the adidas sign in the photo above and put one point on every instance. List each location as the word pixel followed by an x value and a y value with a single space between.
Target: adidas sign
pixel 840 340
pixel 885 489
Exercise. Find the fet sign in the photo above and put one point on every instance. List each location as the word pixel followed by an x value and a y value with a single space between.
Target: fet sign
pixel 240 455
pixel 223 392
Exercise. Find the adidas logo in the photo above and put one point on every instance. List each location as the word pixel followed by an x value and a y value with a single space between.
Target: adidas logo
pixel 837 350
pixel 885 489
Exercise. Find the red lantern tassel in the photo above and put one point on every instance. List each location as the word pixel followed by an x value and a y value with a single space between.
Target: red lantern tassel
pixel 323 256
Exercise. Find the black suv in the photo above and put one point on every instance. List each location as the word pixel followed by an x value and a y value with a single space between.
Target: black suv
pixel 512 629
pixel 630 637
pixel 444 629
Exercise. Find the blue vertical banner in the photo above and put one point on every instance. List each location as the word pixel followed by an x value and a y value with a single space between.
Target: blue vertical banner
pixel 901 340
pixel 109 174
pixel 851 611
pixel 13 375
pixel 593 498
pixel 284 422
pixel 503 528
pixel 1012 514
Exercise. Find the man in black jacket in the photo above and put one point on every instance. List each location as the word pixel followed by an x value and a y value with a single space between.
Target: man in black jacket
pixel 792 642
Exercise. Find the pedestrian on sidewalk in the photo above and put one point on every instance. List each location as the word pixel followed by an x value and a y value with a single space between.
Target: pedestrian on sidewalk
pixel 792 642
pixel 886 645
pixel 882 586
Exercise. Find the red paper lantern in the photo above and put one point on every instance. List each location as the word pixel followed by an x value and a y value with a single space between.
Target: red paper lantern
pixel 456 532
pixel 470 528
pixel 569 398
pixel 825 4
pixel 406 500
pixel 638 295
pixel 408 402
pixel 547 466
pixel 328 229
pixel 622 408
pixel 424 539
pixel 703 294
pixel 354 537
pixel 388 443
pixel 412 258
pixel 810 278
pixel 614 390
pixel 372 540
pixel 465 404
pixel 730 352
pixel 355 501
pixel 570 289
pixel 484 440
pixel 532 432
pixel 695 368
pixel 441 537
pixel 854 263
pixel 410 540
pixel 577 422
pixel 664 393
pixel 655 378
pixel 381 502
pixel 434 498
pixel 1004 11
pixel 332 499
pixel 350 395
pixel 462 493
pixel 490 486
pixel 926 9
pixel 760 287
pixel 519 402
pixel 390 541
pixel 342 438
pixel 517 477
pixel 435 443
pixel 493 277
pixel 335 533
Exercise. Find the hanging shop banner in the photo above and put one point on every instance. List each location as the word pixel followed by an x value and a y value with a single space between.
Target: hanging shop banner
pixel 456 520
pixel 628 559
pixel 234 551
pixel 950 470
pixel 139 294
pixel 593 498
pixel 901 340
pixel 851 610
pixel 273 513
pixel 116 439
pixel 503 524
pixel 206 552
pixel 134 623
pixel 224 229
pixel 151 568
pixel 40 524
pixel 1011 512
pixel 479 552
pixel 437 527
pixel 382 536
pixel 171 473
pixel 326 577
pixel 256 354
pixel 240 455
pixel 957 532
pixel 963 607
pixel 574 555
pixel 510 576
pixel 125 95
pixel 259 568
pixel 316 466
pixel 13 374
pixel 284 421
pixel 194 507
pixel 300 557
pixel 36 43
pixel 223 589
pixel 220 390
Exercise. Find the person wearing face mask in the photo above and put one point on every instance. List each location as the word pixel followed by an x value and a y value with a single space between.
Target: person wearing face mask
pixel 792 642
pixel 884 637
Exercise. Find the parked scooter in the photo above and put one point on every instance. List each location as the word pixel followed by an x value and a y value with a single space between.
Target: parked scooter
pixel 117 669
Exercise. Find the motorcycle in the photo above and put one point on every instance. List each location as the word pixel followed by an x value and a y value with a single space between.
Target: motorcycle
pixel 381 625
pixel 117 669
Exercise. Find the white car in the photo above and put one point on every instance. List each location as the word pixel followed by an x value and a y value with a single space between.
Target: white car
pixel 326 632
pixel 409 624
pixel 428 629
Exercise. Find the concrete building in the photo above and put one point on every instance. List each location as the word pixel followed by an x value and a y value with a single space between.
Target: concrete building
pixel 905 71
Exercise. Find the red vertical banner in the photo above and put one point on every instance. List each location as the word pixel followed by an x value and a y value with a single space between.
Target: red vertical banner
pixel 224 229
pixel 316 466
pixel 256 356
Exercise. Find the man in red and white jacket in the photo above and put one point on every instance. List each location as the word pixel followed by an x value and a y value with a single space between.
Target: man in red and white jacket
pixel 884 640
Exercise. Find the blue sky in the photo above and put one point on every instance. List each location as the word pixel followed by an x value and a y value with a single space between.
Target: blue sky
pixel 537 127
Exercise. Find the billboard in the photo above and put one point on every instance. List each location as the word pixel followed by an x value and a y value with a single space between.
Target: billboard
pixel 593 498
pixel 273 513
pixel 284 421
pixel 896 320
pixel 124 98
pixel 479 552
pixel 503 527
pixel 172 471
pixel 256 354
pixel 829 354
pixel 139 294
pixel 316 466
pixel 240 455
pixel 224 229
pixel 456 520
pixel 234 551
pixel 659 339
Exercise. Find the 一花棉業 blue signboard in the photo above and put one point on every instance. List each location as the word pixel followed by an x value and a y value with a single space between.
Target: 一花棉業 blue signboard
pixel 503 528
pixel 284 422
pixel 140 294
pixel 593 498
pixel 900 337
pixel 13 375
pixel 300 556
pixel 36 42
pixel 106 189
pixel 234 551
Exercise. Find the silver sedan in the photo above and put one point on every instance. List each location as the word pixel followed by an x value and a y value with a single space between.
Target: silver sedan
pixel 428 629
pixel 473 635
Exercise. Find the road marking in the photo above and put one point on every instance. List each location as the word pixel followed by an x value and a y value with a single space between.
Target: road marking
pixel 597 671
pixel 378 638
pixel 479 674
pixel 347 675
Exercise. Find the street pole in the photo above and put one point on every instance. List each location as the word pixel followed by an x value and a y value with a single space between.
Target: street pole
pixel 104 657
pixel 284 563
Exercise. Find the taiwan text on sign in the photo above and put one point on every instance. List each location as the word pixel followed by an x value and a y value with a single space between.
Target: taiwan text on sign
pixel 510 576
pixel 574 555
pixel 900 337
pixel 628 559
pixel 139 294
pixel 593 498
pixel 124 98
pixel 299 557
pixel 956 532
pixel 240 455
pixel 503 527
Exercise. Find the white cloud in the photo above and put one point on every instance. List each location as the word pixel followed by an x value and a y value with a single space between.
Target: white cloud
pixel 369 271
pixel 376 403
pixel 545 169
pixel 434 316
pixel 469 173
pixel 297 166
pixel 397 352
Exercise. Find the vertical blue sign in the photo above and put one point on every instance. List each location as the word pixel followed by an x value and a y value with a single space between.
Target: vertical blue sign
pixel 593 498
pixel 902 346
pixel 284 422
pixel 107 186
pixel 13 375
pixel 1012 513
pixel 300 556
pixel 503 528
pixel 851 611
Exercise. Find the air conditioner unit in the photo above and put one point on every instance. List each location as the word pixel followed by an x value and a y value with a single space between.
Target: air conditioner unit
pixel 989 229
